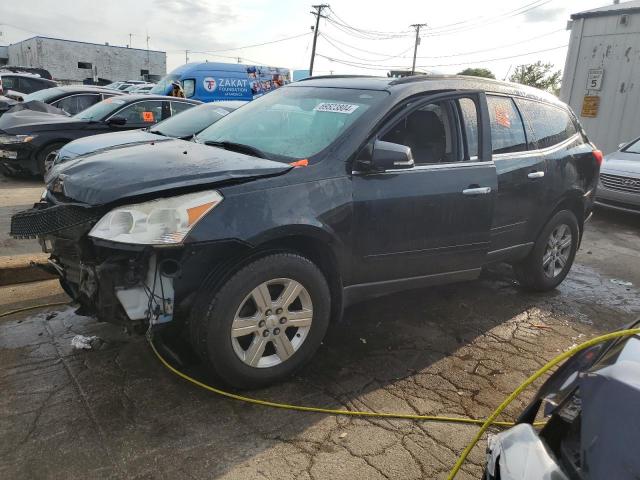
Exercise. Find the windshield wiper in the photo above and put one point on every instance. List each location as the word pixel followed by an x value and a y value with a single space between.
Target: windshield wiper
pixel 156 132
pixel 237 147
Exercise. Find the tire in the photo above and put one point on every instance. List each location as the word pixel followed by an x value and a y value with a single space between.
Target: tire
pixel 551 258
pixel 44 153
pixel 264 348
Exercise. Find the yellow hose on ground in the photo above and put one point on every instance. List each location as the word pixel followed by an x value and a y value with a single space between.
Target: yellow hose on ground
pixel 485 424
pixel 33 307
pixel 529 381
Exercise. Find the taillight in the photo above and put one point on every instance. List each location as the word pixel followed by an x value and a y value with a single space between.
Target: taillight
pixel 597 154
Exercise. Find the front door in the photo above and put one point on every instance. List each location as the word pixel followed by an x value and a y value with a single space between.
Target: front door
pixel 434 218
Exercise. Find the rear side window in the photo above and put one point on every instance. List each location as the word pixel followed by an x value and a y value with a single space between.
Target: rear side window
pixel 507 131
pixel 549 125
pixel 77 103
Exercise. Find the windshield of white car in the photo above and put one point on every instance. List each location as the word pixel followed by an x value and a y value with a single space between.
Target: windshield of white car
pixel 293 123
pixel 190 121
pixel 100 110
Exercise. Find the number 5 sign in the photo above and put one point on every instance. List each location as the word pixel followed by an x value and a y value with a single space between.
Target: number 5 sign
pixel 594 78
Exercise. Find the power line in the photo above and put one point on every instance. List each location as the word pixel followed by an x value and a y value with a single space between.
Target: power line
pixel 387 57
pixel 498 47
pixel 369 66
pixel 260 44
pixel 481 22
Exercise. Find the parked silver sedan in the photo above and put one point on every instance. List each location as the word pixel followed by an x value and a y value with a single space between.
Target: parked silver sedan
pixel 619 186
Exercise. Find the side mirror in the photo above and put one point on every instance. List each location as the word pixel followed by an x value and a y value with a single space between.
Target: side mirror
pixel 116 121
pixel 391 156
pixel 620 145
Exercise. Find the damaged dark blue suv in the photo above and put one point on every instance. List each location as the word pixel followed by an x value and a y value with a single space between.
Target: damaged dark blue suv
pixel 318 195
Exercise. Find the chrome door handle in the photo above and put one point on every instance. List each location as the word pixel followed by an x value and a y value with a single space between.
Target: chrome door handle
pixel 536 175
pixel 476 191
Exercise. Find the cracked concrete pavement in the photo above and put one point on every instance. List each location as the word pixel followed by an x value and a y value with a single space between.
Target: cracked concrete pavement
pixel 114 412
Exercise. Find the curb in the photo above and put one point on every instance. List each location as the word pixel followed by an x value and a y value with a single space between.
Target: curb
pixel 23 269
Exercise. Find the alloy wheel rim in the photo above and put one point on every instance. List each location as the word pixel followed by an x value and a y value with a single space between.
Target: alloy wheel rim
pixel 272 323
pixel 557 251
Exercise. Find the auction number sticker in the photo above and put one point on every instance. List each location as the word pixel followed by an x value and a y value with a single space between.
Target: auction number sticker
pixel 336 108
pixel 148 117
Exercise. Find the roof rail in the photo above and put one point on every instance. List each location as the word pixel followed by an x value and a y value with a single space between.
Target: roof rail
pixel 320 77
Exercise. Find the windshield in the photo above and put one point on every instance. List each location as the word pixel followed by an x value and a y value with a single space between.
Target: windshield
pixel 44 95
pixel 100 110
pixel 190 121
pixel 293 122
pixel 634 147
pixel 163 85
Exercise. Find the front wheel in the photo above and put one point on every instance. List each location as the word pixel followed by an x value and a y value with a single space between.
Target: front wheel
pixel 553 253
pixel 265 322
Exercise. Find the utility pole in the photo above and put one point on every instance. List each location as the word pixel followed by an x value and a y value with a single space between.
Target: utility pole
pixel 131 40
pixel 415 48
pixel 186 56
pixel 318 14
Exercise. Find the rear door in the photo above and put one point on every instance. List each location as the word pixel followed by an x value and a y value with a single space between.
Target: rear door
pixel 521 174
pixel 434 218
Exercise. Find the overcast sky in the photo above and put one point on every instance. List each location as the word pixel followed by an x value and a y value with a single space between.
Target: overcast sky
pixel 482 31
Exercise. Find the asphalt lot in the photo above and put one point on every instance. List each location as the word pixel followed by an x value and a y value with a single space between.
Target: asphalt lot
pixel 114 412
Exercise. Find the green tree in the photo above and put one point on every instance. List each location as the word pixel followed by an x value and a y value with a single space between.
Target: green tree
pixel 539 75
pixel 477 72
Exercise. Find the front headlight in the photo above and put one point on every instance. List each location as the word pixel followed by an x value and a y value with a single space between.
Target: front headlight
pixel 158 222
pixel 10 139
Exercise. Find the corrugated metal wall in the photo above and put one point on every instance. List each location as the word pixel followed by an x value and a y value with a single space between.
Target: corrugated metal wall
pixel 602 42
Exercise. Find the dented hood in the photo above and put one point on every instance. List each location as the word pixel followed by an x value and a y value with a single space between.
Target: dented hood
pixel 151 168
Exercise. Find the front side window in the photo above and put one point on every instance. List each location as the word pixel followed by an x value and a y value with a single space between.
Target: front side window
pixel 141 113
pixel 189 87
pixel 507 130
pixel 549 125
pixel 427 132
pixel 294 122
pixel 100 110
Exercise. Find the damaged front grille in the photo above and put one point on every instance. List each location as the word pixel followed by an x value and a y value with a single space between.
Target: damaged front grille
pixel 43 219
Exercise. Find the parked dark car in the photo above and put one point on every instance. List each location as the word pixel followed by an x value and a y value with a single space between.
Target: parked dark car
pixel 320 194
pixel 185 126
pixel 25 147
pixel 592 430
pixel 22 83
pixel 72 99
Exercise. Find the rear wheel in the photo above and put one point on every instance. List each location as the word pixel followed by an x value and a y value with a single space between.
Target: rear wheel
pixel 264 323
pixel 553 253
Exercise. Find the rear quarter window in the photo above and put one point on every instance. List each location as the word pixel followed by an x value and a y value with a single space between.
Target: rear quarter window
pixel 547 125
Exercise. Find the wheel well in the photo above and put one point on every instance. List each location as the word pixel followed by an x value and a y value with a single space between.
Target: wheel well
pixel 309 247
pixel 575 206
pixel 321 255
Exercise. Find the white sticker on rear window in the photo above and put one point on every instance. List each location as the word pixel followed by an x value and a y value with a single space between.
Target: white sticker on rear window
pixel 336 108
